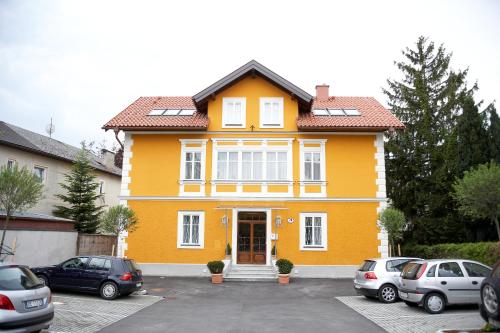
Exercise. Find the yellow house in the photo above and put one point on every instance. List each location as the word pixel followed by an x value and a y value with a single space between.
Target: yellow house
pixel 256 163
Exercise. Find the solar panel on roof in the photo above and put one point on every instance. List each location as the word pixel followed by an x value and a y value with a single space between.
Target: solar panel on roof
pixel 320 112
pixel 171 112
pixel 186 112
pixel 351 112
pixel 156 112
pixel 336 112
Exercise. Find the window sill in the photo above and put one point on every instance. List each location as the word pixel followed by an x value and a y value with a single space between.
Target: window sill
pixel 313 248
pixel 190 246
pixel 192 181
pixel 259 182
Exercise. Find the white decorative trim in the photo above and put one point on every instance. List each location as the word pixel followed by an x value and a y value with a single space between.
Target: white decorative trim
pixel 122 245
pixel 201 230
pixel 184 149
pixel 324 232
pixel 243 102
pixel 247 198
pixel 382 236
pixel 342 133
pixel 261 117
pixel 322 181
pixel 234 232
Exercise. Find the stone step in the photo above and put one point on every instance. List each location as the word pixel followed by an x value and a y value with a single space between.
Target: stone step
pixel 252 278
pixel 233 272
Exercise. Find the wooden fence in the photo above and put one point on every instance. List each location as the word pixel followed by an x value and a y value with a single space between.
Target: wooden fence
pixel 91 244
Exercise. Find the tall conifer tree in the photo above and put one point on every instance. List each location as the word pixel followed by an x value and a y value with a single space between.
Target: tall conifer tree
pixel 419 170
pixel 494 133
pixel 81 187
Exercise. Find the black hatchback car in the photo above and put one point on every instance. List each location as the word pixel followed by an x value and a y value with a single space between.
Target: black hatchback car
pixel 490 297
pixel 108 276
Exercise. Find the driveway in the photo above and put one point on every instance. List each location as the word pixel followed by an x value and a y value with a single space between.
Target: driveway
pixel 195 305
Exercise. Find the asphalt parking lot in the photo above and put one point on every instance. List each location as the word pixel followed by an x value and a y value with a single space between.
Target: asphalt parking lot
pixel 194 304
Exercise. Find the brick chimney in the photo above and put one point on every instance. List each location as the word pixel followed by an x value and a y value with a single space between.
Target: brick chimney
pixel 322 92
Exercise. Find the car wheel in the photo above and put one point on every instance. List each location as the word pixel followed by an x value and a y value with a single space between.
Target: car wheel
pixel 44 279
pixel 109 290
pixel 434 303
pixel 388 293
pixel 411 304
pixel 490 300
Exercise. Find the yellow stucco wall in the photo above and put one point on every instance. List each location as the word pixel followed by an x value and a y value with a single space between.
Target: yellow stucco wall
pixel 351 232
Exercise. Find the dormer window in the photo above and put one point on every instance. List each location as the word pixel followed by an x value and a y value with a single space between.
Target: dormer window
pixel 234 112
pixel 336 112
pixel 171 112
pixel 271 112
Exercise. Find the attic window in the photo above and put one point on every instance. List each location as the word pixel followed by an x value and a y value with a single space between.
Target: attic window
pixel 172 112
pixel 336 112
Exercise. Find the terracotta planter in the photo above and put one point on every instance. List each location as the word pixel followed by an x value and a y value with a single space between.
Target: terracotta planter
pixel 284 278
pixel 217 278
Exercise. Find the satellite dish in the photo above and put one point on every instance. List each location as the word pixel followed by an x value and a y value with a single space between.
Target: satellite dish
pixel 50 128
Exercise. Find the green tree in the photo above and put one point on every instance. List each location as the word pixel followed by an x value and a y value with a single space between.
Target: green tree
pixel 81 194
pixel 20 189
pixel 472 137
pixel 117 219
pixel 494 133
pixel 394 222
pixel 419 169
pixel 478 193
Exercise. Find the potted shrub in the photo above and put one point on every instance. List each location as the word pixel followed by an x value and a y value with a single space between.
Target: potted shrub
pixel 285 267
pixel 273 251
pixel 228 251
pixel 216 267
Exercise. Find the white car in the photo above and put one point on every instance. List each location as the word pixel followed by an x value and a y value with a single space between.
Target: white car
pixel 380 278
pixel 25 302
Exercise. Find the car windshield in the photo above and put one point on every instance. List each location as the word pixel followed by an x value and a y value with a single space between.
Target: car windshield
pixel 131 265
pixel 410 271
pixel 368 265
pixel 18 278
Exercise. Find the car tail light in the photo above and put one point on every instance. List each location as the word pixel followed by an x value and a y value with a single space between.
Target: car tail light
pixel 5 303
pixel 370 276
pixel 126 277
pixel 421 271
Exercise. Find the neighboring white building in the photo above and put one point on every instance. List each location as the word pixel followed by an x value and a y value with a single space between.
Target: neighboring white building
pixel 50 159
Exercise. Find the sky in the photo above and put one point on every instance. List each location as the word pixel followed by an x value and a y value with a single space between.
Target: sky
pixel 82 62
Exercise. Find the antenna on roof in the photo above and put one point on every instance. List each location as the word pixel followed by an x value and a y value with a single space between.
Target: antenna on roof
pixel 50 128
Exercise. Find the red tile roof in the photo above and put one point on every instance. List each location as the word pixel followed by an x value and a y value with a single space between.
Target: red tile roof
pixel 135 116
pixel 372 116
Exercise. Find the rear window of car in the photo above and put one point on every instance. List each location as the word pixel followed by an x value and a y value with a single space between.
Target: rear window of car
pixel 396 265
pixel 367 265
pixel 410 271
pixel 131 265
pixel 18 278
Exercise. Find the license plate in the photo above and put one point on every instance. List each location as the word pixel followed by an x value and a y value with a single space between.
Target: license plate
pixel 34 303
pixel 405 295
pixel 138 284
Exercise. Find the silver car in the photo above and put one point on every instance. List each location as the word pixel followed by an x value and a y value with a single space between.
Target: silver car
pixel 380 278
pixel 438 283
pixel 25 302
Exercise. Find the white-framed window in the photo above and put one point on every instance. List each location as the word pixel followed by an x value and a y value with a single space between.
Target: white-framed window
pixel 271 112
pixel 276 165
pixel 11 163
pixel 227 165
pixel 233 112
pixel 252 165
pixel 191 229
pixel 313 231
pixel 40 173
pixel 192 165
pixel 312 165
pixel 101 187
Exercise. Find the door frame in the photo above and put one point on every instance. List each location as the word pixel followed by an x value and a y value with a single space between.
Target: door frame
pixel 234 232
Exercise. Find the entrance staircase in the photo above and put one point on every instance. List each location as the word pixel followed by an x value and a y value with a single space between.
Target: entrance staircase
pixel 261 273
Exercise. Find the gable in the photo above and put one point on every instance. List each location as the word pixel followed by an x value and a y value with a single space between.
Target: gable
pixel 252 89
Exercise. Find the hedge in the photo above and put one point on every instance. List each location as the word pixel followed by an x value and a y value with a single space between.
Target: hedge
pixel 485 252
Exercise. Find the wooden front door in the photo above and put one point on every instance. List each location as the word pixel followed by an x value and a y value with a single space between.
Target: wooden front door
pixel 252 242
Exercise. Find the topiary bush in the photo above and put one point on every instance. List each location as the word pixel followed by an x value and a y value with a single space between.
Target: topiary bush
pixel 485 252
pixel 215 267
pixel 285 266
